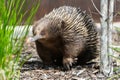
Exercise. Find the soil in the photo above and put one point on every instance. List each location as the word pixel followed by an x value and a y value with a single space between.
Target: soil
pixel 34 69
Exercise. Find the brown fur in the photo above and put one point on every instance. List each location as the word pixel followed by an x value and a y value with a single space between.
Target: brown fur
pixel 64 38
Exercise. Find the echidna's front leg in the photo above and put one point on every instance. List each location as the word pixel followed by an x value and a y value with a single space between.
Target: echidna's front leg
pixel 70 55
pixel 44 53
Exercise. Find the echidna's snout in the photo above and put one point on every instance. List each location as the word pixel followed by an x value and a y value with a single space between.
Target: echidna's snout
pixel 34 38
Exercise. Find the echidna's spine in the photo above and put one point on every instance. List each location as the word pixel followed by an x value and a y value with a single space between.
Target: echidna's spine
pixel 79 23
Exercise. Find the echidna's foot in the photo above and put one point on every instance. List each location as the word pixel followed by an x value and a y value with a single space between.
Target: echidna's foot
pixel 68 62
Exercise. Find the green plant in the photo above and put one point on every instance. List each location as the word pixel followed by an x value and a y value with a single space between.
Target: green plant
pixel 11 44
pixel 116 68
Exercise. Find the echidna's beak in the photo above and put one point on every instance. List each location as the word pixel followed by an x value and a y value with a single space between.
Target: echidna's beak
pixel 36 37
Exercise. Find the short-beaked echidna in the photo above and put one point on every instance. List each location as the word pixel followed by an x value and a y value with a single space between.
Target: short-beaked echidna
pixel 66 35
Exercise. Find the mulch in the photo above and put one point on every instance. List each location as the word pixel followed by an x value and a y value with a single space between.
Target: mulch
pixel 34 69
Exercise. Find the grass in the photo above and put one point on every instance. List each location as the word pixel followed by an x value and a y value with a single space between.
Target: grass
pixel 117 68
pixel 11 15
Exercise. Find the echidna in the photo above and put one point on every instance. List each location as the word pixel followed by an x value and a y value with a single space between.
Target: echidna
pixel 66 35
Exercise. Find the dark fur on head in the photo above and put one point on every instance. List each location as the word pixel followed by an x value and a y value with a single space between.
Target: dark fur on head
pixel 48 28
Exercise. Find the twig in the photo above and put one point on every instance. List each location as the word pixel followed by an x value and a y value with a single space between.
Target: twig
pixel 90 12
pixel 96 8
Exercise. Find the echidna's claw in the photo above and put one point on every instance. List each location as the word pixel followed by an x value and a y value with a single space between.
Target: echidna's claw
pixel 67 63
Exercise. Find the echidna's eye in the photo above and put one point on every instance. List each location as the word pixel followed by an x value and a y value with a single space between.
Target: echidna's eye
pixel 42 32
pixel 34 33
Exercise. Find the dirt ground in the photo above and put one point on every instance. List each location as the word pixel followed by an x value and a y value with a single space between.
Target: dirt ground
pixel 34 69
